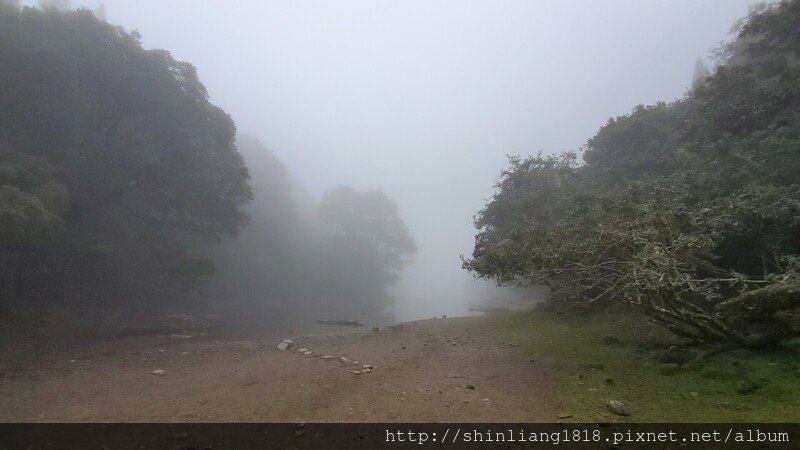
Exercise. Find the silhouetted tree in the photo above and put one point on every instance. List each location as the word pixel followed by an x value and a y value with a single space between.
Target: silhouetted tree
pixel 687 211
pixel 129 137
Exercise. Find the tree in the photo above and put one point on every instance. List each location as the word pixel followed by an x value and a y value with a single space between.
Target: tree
pixel 149 164
pixel 363 248
pixel 61 5
pixel 700 74
pixel 687 211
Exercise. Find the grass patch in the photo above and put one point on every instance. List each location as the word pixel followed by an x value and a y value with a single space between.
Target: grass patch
pixel 613 355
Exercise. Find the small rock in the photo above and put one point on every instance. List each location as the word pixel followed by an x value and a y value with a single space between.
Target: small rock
pixel 669 369
pixel 368 366
pixel 469 386
pixel 691 395
pixel 486 400
pixel 283 346
pixel 161 350
pixel 366 371
pixel 355 372
pixel 618 408
pixel 326 357
pixel 564 415
pixel 159 372
pixel 343 359
pixel 302 350
pixel 73 360
pixel 308 352
pixel 181 336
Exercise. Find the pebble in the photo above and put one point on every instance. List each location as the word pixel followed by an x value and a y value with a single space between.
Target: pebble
pixel 308 352
pixel 469 386
pixel 368 366
pixel 326 356
pixel 302 350
pixel 159 372
pixel 618 408
pixel 564 415
pixel 366 371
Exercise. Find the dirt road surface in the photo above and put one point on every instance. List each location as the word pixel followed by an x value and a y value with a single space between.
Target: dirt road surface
pixel 442 370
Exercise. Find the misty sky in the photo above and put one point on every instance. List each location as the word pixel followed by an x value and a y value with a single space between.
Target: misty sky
pixel 425 98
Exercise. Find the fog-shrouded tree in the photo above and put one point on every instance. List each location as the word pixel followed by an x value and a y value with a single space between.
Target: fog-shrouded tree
pixel 365 245
pixel 263 267
pixel 118 153
pixel 61 5
pixel 687 211
pixel 700 73
pixel 372 218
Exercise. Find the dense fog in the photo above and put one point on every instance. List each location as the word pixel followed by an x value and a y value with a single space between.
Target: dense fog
pixel 422 101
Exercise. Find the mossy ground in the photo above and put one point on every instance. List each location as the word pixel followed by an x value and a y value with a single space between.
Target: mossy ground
pixel 587 355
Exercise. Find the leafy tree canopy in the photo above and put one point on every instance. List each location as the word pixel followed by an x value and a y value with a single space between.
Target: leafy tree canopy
pixel 116 145
pixel 688 211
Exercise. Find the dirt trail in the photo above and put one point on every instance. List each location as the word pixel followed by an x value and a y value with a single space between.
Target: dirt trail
pixel 422 373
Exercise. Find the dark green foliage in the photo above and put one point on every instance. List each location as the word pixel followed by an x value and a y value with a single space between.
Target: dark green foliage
pixel 642 144
pixel 149 164
pixel 688 211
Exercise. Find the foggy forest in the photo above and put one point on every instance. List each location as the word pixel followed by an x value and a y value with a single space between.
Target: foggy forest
pixel 374 211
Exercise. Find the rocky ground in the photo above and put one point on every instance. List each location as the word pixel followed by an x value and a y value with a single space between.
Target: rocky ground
pixel 436 370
